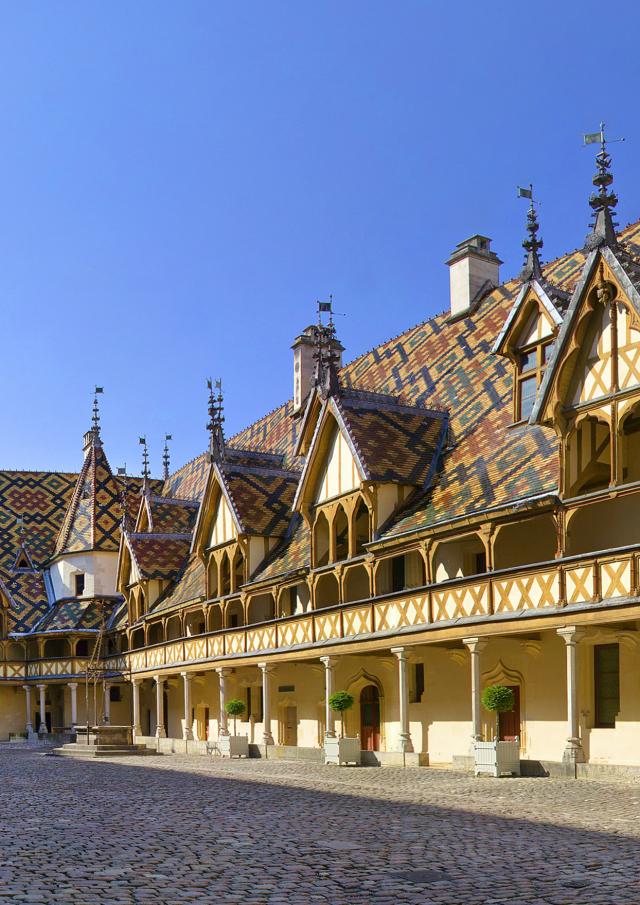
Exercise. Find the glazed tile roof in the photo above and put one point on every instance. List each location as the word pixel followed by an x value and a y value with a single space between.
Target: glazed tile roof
pixel 40 499
pixel 27 598
pixel 260 492
pixel 190 587
pixel 394 442
pixel 188 482
pixel 78 614
pixel 159 556
pixel 447 364
pixel 171 516
pixel 292 554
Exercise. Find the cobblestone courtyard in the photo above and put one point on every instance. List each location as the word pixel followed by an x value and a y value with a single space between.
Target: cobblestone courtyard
pixel 173 830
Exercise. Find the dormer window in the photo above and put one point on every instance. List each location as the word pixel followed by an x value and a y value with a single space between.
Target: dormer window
pixel 79 583
pixel 531 363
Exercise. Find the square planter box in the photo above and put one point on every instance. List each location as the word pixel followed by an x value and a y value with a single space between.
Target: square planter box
pixel 497 758
pixel 342 751
pixel 233 745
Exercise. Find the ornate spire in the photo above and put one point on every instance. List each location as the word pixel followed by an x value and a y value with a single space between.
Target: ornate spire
pixel 603 201
pixel 216 420
pixel 165 456
pixel 532 268
pixel 145 459
pixel 92 437
pixel 125 518
pixel 327 352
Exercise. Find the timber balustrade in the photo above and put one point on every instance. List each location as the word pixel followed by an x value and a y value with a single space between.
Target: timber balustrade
pixel 576 580
pixel 584 579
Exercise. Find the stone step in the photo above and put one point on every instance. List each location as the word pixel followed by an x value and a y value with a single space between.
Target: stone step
pixel 75 750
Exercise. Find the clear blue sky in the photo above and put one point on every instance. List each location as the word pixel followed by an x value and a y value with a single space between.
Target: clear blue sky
pixel 180 182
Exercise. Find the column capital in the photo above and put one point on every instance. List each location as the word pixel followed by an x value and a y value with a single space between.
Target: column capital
pixel 224 671
pixel 159 680
pixel 266 667
pixel 136 680
pixel 41 685
pixel 328 662
pixel 571 633
pixel 475 645
pixel 27 687
pixel 187 676
pixel 399 652
pixel 72 684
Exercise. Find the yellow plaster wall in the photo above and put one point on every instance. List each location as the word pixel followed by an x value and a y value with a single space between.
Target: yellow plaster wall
pixel 339 473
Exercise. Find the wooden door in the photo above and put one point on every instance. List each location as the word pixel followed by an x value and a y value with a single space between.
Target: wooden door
pixel 510 722
pixel 370 718
pixel 291 726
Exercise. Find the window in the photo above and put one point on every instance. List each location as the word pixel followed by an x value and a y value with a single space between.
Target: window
pixel 115 694
pixel 233 620
pixel 530 369
pixel 79 583
pixel 607 684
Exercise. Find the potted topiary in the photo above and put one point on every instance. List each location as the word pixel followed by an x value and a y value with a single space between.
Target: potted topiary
pixel 342 750
pixel 498 757
pixel 234 745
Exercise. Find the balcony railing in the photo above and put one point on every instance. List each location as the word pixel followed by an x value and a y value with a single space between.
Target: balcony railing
pixel 50 667
pixel 576 580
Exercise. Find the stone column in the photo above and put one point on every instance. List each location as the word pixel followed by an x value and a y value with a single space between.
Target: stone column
pixel 573 752
pixel 329 717
pixel 73 688
pixel 29 726
pixel 403 680
pixel 223 672
pixel 107 702
pixel 476 646
pixel 266 703
pixel 43 711
pixel 135 690
pixel 160 731
pixel 187 731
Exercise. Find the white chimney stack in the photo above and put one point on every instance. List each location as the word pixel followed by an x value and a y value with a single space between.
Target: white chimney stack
pixel 473 270
pixel 303 365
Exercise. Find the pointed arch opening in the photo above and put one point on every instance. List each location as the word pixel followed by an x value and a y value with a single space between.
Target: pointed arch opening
pixel 321 540
pixel 327 591
pixel 362 527
pixel 341 534
pixel 588 458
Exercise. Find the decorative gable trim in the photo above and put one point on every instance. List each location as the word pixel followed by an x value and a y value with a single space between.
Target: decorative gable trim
pixel 577 299
pixel 501 342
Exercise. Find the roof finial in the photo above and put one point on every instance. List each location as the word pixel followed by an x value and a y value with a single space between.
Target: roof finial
pixel 532 267
pixel 165 456
pixel 327 353
pixel 216 419
pixel 125 519
pixel 603 201
pixel 145 459
pixel 92 437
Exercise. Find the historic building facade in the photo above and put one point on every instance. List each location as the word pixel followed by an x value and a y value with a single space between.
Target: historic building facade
pixel 460 506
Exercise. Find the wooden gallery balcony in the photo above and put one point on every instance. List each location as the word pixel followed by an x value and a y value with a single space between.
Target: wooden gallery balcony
pixel 577 582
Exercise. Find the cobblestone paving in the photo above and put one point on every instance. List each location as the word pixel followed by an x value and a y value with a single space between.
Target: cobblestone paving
pixel 169 830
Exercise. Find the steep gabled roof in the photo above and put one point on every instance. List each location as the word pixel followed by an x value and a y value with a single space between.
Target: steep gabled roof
pixel 167 515
pixel 625 267
pixel 92 521
pixel 158 556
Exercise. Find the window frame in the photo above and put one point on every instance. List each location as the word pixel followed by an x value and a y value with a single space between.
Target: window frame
pixel 540 347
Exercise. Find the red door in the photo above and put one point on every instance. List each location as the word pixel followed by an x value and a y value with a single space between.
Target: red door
pixel 510 722
pixel 370 718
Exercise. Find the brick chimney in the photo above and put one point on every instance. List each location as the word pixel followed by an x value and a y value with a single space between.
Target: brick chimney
pixel 473 270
